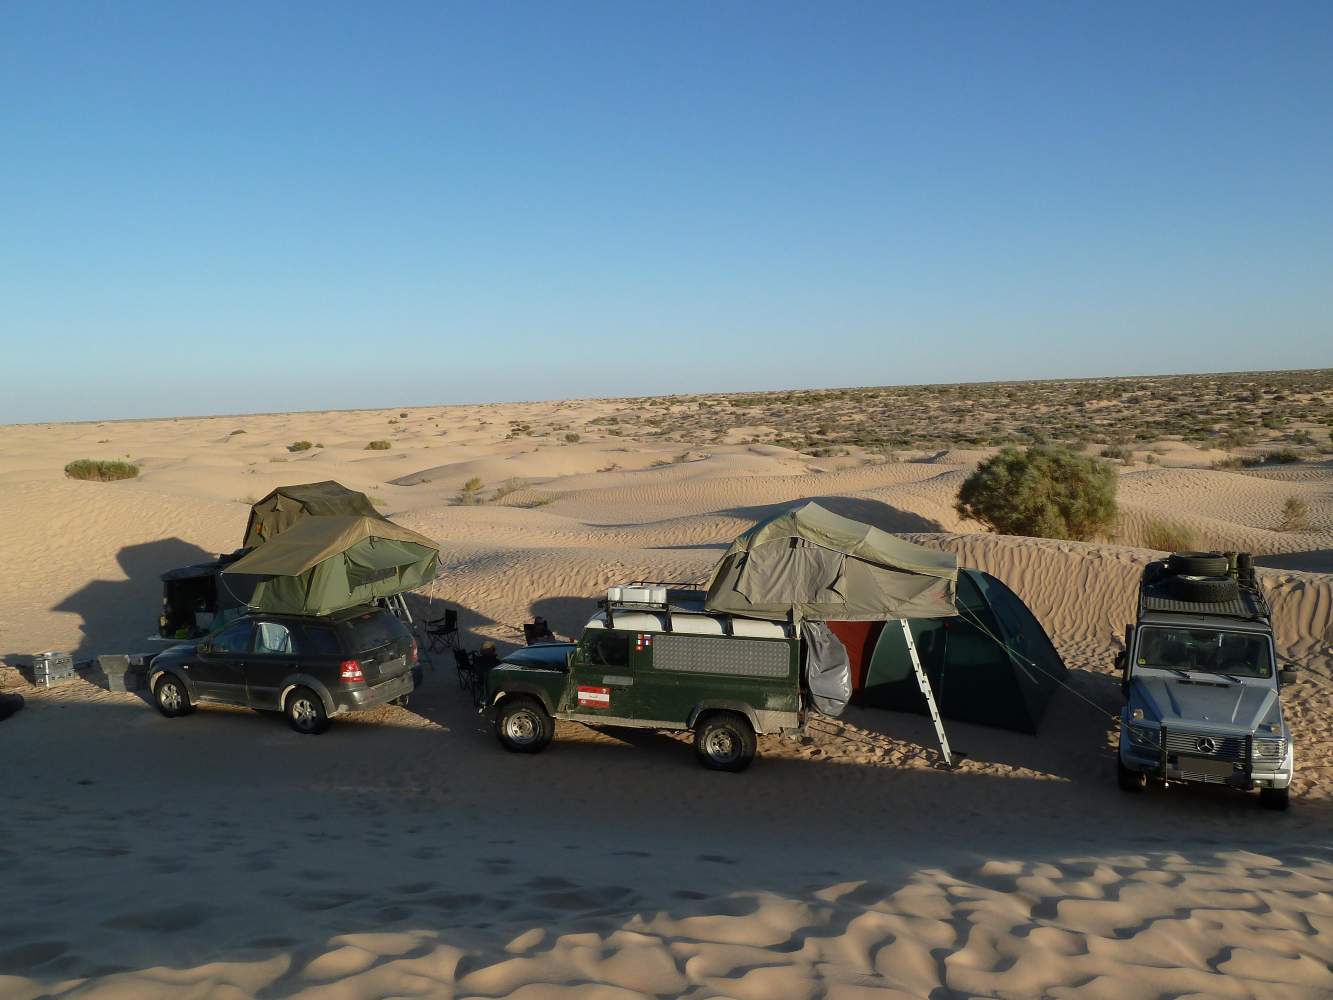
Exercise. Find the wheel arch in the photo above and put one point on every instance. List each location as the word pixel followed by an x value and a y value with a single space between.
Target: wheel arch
pixel 314 684
pixel 738 707
pixel 510 690
pixel 156 674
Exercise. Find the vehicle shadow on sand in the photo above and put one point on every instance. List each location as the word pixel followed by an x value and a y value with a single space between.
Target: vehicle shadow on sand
pixel 120 616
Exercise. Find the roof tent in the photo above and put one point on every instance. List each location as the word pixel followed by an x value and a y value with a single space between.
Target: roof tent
pixel 810 566
pixel 323 564
pixel 286 505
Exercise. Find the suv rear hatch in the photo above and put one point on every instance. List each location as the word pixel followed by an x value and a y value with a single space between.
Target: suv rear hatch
pixel 380 643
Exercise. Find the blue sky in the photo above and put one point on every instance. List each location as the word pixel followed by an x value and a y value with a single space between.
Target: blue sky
pixel 227 207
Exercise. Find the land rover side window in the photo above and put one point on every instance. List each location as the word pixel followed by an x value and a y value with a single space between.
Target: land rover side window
pixel 272 639
pixel 1241 654
pixel 235 639
pixel 607 648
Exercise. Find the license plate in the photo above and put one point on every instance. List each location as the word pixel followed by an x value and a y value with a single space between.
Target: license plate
pixel 1206 765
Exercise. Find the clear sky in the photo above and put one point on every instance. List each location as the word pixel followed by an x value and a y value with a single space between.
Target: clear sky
pixel 228 207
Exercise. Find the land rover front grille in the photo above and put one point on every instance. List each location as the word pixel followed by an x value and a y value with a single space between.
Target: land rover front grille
pixel 1205 745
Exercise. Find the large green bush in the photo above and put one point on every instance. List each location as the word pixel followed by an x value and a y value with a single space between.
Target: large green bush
pixel 1044 491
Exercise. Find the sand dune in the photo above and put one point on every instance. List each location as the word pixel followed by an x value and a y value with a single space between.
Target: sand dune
pixel 404 854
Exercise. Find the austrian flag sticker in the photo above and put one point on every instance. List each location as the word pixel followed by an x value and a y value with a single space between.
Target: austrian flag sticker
pixel 642 641
pixel 594 697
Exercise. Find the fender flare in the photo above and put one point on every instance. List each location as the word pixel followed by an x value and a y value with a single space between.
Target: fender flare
pixel 155 674
pixel 293 681
pixel 528 688
pixel 739 707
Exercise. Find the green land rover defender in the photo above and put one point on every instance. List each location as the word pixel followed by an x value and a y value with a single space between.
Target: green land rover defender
pixel 652 658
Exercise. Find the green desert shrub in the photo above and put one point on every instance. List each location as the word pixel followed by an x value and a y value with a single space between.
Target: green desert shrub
pixel 300 446
pixel 1119 453
pixel 1044 491
pixel 101 470
pixel 380 445
pixel 1169 536
pixel 1295 515
pixel 572 438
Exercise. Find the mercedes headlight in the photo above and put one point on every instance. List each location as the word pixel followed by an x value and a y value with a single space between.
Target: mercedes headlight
pixel 1145 736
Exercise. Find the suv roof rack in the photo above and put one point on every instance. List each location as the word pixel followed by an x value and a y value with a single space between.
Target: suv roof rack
pixel 1249 604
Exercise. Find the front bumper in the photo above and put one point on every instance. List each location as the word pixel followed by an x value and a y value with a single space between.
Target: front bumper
pixel 1171 766
pixel 360 699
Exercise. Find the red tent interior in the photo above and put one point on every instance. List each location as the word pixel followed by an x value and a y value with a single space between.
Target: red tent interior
pixel 859 638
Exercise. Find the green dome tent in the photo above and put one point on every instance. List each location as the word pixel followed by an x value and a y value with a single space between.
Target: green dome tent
pixel 993 664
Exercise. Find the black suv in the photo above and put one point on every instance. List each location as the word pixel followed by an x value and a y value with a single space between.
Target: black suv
pixel 310 669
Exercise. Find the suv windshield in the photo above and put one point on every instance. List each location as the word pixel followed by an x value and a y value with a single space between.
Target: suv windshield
pixel 1240 654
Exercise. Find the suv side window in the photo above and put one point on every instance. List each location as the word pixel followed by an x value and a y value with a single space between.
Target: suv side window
pixel 233 639
pixel 314 640
pixel 607 648
pixel 273 639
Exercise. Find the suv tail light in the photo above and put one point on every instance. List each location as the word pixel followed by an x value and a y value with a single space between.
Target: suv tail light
pixel 349 672
pixel 414 651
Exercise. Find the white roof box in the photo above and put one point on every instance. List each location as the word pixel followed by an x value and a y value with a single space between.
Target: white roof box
pixel 637 594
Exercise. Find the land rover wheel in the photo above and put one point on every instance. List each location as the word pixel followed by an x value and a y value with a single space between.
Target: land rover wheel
pixel 724 741
pixel 1129 779
pixel 171 697
pixel 1197 564
pixel 1275 798
pixel 1203 589
pixel 305 712
pixel 522 725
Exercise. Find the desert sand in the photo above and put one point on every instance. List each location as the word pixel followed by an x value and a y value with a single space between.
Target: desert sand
pixel 403 853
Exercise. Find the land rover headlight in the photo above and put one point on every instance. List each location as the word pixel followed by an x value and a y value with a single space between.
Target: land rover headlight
pixel 1144 736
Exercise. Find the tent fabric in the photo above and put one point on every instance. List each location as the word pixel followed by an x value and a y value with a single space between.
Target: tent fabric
pixel 993 664
pixel 286 505
pixel 810 563
pixel 323 564
pixel 828 671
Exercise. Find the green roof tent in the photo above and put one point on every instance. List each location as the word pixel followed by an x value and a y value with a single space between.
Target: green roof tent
pixel 319 565
pixel 993 664
pixel 286 505
pixel 810 563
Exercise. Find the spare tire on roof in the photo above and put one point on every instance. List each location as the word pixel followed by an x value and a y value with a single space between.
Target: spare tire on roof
pixel 1203 589
pixel 1198 564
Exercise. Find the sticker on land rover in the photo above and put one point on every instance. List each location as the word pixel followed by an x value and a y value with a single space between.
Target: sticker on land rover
pixel 594 697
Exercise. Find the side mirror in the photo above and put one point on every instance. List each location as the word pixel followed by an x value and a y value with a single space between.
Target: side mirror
pixel 1288 674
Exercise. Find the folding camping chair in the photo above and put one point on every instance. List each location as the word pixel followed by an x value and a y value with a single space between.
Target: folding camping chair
pixel 442 633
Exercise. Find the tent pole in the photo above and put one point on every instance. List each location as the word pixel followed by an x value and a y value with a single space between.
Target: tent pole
pixel 924 683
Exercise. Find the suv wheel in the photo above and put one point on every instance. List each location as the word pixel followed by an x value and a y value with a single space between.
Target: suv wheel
pixel 724 741
pixel 171 697
pixel 1275 798
pixel 1129 779
pixel 522 725
pixel 305 712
